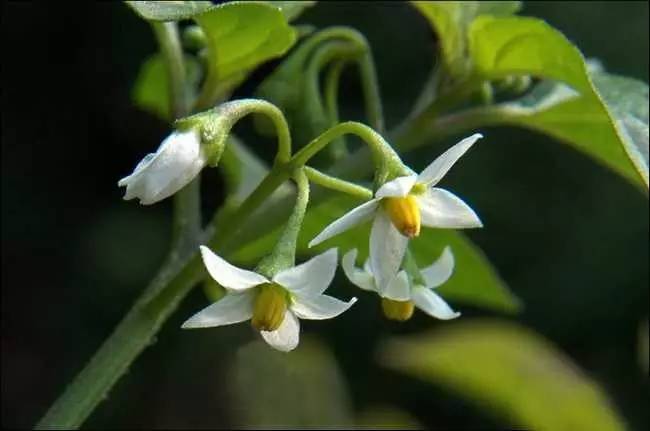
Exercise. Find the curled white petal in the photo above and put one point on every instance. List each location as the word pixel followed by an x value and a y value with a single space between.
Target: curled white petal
pixel 439 271
pixel 287 336
pixel 320 307
pixel 387 248
pixel 357 276
pixel 433 173
pixel 232 308
pixel 310 278
pixel 399 187
pixel 227 275
pixel 398 289
pixel 176 162
pixel 432 304
pixel 354 217
pixel 442 209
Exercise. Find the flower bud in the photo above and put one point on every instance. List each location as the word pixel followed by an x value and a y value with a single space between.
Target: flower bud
pixel 397 310
pixel 269 308
pixel 159 175
pixel 405 214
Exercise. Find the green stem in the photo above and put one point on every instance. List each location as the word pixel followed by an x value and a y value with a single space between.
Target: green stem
pixel 284 252
pixel 387 162
pixel 333 183
pixel 170 47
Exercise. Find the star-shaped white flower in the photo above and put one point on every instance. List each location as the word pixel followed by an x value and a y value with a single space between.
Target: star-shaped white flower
pixel 400 206
pixel 400 290
pixel 159 175
pixel 274 305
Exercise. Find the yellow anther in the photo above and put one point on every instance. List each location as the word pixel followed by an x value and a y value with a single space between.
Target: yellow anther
pixel 269 308
pixel 405 214
pixel 397 310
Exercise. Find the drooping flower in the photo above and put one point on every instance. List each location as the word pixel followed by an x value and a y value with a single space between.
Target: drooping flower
pixel 401 206
pixel 273 306
pixel 159 175
pixel 403 293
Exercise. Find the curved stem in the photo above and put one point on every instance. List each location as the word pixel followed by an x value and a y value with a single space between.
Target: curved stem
pixel 333 183
pixel 386 160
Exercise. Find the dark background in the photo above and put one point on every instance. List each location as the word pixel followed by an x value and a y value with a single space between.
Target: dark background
pixel 567 235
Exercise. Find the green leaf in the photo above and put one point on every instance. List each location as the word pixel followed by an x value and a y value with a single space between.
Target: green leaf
pixel 509 369
pixel 150 90
pixel 169 10
pixel 292 9
pixel 503 46
pixel 302 389
pixel 450 20
pixel 475 282
pixel 242 35
pixel 626 101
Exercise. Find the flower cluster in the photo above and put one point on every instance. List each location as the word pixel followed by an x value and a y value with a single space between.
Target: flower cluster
pixel 275 300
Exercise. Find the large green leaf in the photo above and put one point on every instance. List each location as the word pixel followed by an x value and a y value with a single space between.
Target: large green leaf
pixel 242 35
pixel 302 389
pixel 169 10
pixel 503 46
pixel 292 9
pixel 151 87
pixel 475 282
pixel 450 19
pixel 509 369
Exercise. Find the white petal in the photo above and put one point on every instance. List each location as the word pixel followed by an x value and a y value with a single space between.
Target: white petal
pixel 358 277
pixel 439 271
pixel 320 307
pixel 432 304
pixel 442 209
pixel 387 248
pixel 399 187
pixel 398 289
pixel 176 162
pixel 227 275
pixel 310 278
pixel 286 337
pixel 232 308
pixel 440 166
pixel 356 216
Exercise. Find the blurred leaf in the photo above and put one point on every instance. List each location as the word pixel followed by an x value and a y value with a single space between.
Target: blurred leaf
pixel 301 389
pixel 508 368
pixel 505 46
pixel 475 281
pixel 450 19
pixel 150 91
pixel 292 9
pixel 169 10
pixel 242 35
pixel 626 100
pixel 386 417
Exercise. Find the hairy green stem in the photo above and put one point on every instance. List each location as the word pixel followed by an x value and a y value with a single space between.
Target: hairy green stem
pixel 283 255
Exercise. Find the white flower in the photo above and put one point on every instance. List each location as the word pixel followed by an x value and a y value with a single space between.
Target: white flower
pixel 275 305
pixel 401 291
pixel 176 162
pixel 400 206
